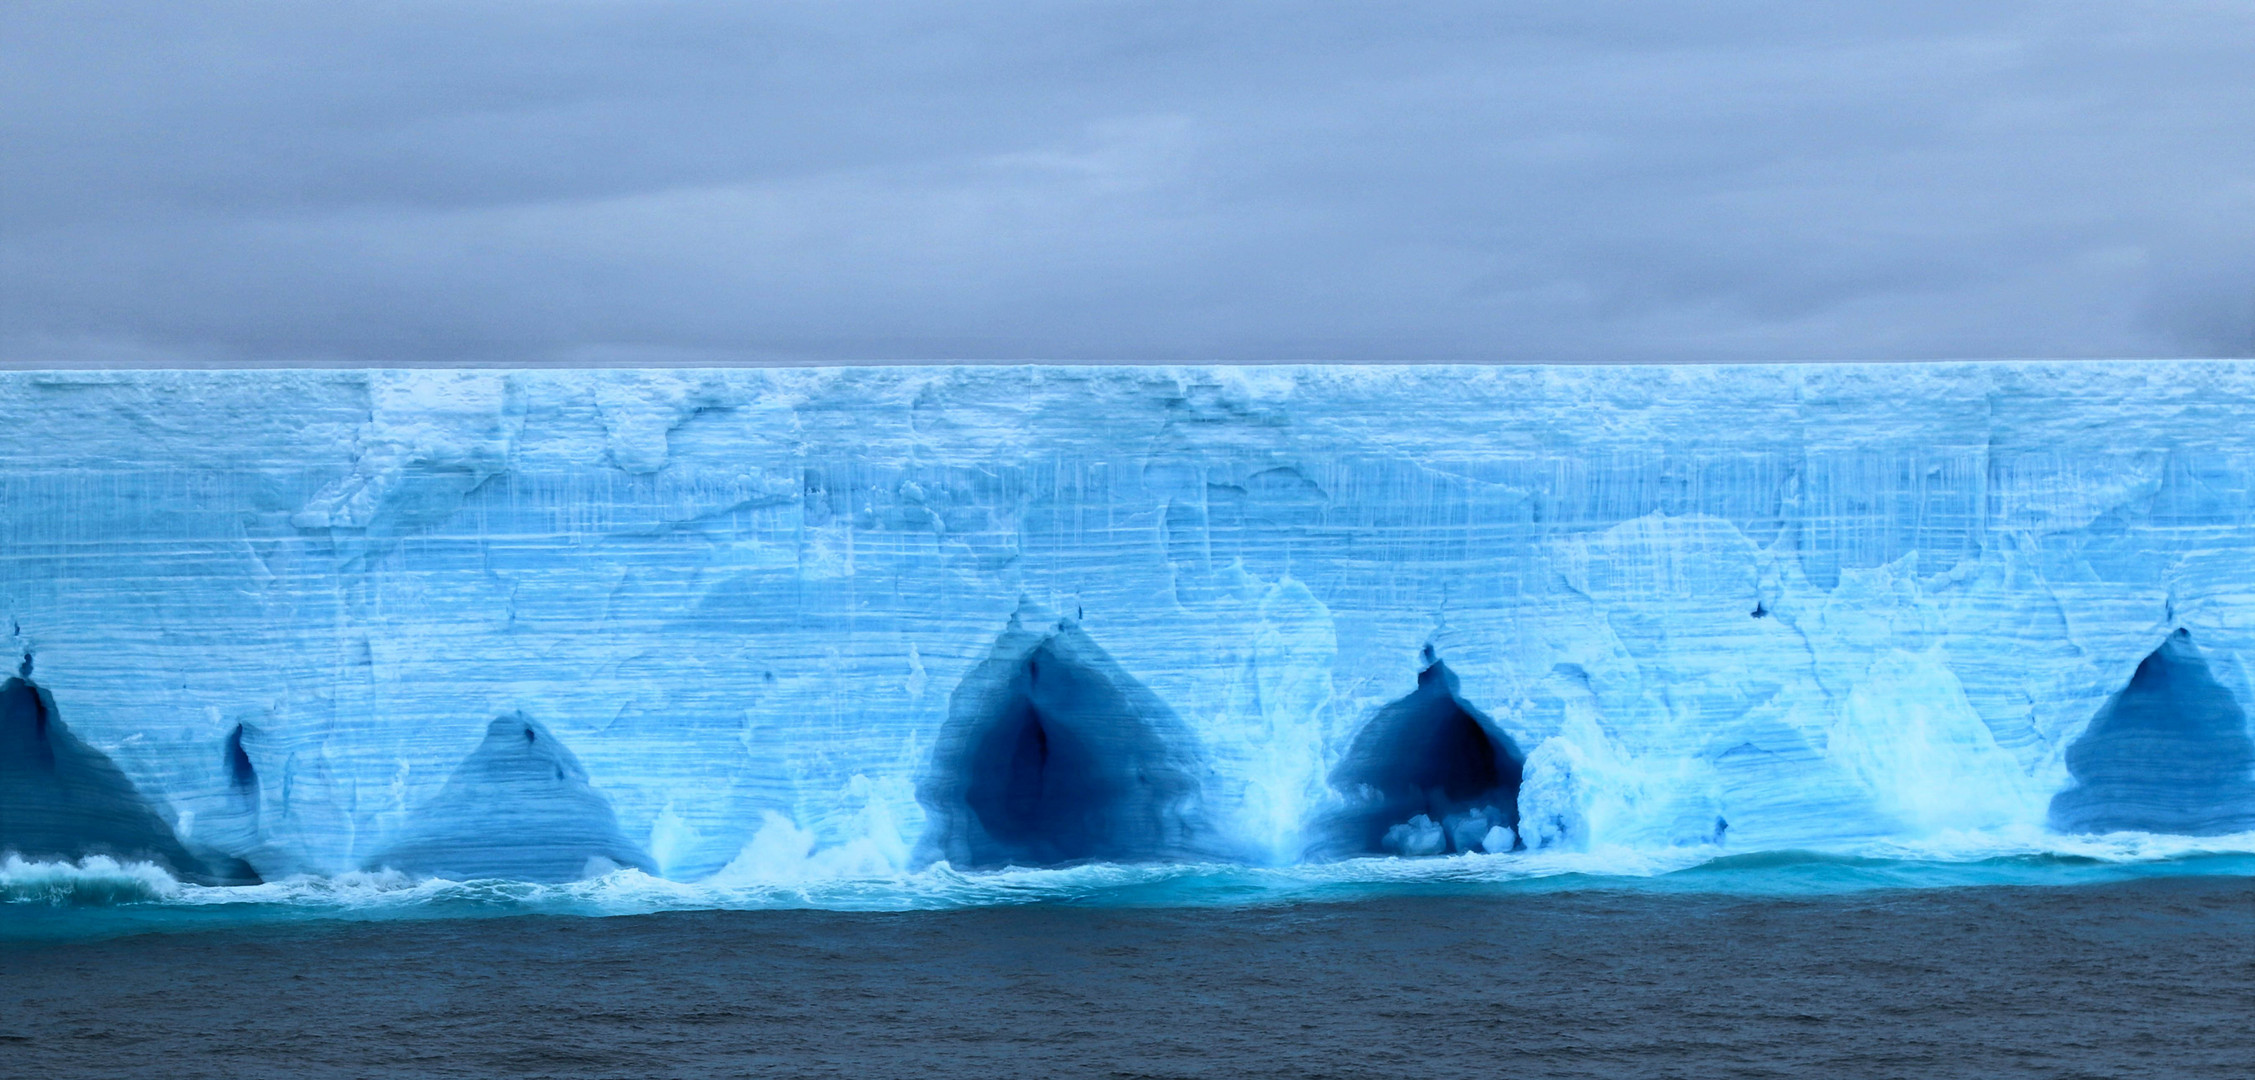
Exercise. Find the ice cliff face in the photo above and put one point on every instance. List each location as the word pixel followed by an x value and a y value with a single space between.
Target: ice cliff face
pixel 533 623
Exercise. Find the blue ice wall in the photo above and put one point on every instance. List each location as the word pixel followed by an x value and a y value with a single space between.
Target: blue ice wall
pixel 1821 604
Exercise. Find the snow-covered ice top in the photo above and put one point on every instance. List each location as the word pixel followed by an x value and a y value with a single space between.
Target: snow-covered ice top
pixel 840 621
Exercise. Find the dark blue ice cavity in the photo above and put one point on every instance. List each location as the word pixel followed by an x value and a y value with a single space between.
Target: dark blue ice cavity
pixel 242 776
pixel 1054 755
pixel 2169 754
pixel 519 807
pixel 1429 774
pixel 63 799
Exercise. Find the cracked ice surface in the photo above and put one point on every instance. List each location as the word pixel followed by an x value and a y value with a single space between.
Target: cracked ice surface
pixel 1742 606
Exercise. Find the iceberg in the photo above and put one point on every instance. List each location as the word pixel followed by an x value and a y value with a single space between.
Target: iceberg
pixel 542 624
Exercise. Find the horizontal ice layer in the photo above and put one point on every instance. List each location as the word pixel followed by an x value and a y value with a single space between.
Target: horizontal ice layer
pixel 1739 606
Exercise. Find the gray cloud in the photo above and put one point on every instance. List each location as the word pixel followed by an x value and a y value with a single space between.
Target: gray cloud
pixel 1517 181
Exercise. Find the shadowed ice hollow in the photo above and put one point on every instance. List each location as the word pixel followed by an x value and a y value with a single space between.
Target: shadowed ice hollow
pixel 1428 775
pixel 63 799
pixel 1053 755
pixel 2169 754
pixel 518 807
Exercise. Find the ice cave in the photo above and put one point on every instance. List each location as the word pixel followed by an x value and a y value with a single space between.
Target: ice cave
pixel 1428 775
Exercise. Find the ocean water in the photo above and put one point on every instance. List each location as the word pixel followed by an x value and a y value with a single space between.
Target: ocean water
pixel 1981 956
pixel 1774 966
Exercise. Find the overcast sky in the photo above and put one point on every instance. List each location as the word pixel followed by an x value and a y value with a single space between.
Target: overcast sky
pixel 1516 181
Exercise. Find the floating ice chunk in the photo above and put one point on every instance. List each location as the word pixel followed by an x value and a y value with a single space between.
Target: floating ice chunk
pixel 1469 831
pixel 1415 837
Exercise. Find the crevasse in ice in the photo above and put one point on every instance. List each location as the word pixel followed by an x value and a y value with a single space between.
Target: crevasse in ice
pixel 541 623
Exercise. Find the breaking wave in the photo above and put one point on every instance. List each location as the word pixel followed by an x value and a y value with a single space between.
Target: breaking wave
pixel 101 897
pixel 96 881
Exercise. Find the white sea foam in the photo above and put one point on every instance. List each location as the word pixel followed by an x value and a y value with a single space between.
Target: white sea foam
pixel 1968 858
pixel 94 880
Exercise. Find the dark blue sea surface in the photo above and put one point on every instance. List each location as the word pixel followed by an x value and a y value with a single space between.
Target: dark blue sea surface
pixel 1832 968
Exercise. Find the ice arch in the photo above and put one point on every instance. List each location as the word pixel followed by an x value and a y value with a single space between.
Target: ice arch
pixel 1054 755
pixel 518 807
pixel 63 799
pixel 1429 774
pixel 2169 754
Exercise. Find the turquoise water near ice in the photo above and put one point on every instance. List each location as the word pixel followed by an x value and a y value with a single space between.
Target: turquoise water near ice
pixel 99 898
